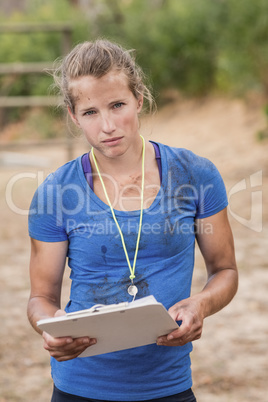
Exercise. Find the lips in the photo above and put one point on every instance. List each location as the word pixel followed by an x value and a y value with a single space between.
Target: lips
pixel 112 141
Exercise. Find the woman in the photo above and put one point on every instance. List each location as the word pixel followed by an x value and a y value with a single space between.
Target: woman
pixel 126 215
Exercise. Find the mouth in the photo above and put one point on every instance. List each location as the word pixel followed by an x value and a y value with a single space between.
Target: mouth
pixel 112 141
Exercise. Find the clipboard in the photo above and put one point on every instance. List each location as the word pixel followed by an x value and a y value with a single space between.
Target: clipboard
pixel 116 326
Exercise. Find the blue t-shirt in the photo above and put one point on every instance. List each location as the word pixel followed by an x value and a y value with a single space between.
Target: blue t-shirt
pixel 65 208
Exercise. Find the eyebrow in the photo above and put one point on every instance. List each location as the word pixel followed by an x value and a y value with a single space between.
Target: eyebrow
pixel 123 100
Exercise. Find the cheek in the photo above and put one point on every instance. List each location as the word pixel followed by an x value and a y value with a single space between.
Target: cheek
pixel 129 120
pixel 91 127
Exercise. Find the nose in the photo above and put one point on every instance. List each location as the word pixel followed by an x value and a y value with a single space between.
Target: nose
pixel 108 125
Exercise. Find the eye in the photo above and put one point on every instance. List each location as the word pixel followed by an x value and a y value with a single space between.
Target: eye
pixel 89 113
pixel 118 105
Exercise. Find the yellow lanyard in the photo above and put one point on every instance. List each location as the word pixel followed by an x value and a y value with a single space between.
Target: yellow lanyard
pixel 131 269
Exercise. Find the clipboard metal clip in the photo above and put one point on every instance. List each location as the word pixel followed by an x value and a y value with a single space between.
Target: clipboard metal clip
pixel 97 308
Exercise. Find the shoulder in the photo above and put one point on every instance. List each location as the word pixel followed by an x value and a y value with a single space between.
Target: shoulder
pixel 66 173
pixel 51 199
pixel 197 178
pixel 56 183
pixel 195 165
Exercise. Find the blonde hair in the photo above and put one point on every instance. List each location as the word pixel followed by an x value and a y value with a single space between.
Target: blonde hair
pixel 97 59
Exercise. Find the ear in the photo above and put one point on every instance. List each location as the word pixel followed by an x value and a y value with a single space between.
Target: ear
pixel 73 117
pixel 140 103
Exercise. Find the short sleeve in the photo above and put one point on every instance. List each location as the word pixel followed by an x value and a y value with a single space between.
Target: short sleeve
pixel 212 193
pixel 45 218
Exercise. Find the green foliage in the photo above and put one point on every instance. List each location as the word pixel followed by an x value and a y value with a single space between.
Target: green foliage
pixel 263 134
pixel 34 47
pixel 175 42
pixel 194 46
pixel 27 47
pixel 243 45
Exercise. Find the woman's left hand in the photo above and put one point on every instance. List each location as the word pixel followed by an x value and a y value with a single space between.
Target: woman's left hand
pixel 187 311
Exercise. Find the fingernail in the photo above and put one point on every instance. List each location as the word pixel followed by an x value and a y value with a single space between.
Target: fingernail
pixel 86 341
pixel 69 340
pixel 170 337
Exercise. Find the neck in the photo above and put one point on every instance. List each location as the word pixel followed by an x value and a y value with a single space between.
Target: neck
pixel 123 164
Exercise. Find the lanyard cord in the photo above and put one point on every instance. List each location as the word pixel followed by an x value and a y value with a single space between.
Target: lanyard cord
pixel 131 269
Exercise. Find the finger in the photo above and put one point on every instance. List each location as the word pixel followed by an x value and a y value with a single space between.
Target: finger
pixel 80 343
pixel 59 313
pixel 71 353
pixel 184 329
pixel 71 348
pixel 186 333
pixel 52 342
pixel 179 336
pixel 174 342
pixel 63 355
pixel 177 311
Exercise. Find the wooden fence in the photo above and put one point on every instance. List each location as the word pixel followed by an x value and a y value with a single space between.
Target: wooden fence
pixel 65 29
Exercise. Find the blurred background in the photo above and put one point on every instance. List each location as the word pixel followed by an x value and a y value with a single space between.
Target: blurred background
pixel 196 48
pixel 207 63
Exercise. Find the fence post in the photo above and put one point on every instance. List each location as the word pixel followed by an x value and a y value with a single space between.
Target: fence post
pixel 25 68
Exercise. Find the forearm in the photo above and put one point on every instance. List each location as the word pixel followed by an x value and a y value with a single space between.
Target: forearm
pixel 217 248
pixel 219 290
pixel 40 307
pixel 62 348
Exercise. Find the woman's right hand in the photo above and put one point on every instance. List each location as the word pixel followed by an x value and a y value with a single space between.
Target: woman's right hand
pixel 66 348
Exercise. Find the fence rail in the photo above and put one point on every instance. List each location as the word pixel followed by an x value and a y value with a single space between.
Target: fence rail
pixel 31 101
pixel 65 29
pixel 25 68
pixel 36 27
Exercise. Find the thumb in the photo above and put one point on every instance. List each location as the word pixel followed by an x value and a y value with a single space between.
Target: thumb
pixel 59 313
pixel 175 313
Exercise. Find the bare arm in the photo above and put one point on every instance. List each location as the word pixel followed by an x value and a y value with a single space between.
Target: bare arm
pixel 46 272
pixel 215 241
pixel 217 249
pixel 47 265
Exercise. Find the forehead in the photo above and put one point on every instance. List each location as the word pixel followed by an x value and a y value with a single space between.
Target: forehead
pixel 112 83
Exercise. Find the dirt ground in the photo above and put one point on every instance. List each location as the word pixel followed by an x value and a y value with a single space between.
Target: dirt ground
pixel 230 361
